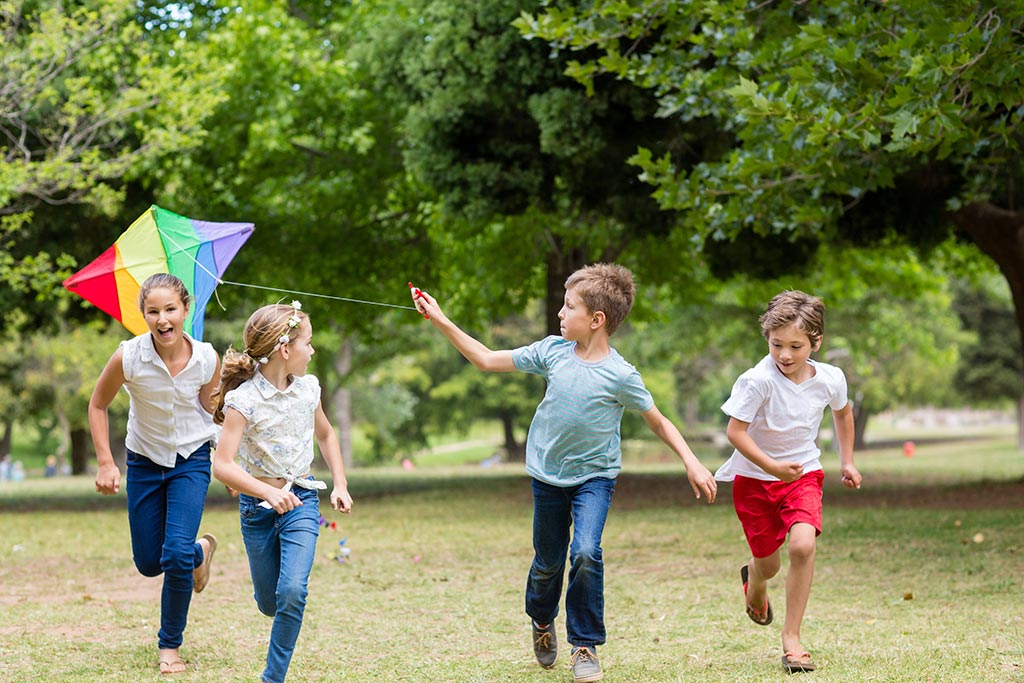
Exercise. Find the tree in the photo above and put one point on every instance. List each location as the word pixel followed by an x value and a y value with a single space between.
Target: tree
pixel 302 147
pixel 853 122
pixel 59 373
pixel 990 368
pixel 530 169
pixel 86 103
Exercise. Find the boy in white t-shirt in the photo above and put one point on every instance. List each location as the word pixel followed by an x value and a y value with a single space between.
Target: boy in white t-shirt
pixel 774 412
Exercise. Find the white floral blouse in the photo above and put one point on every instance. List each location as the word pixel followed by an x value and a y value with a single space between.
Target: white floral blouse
pixel 279 431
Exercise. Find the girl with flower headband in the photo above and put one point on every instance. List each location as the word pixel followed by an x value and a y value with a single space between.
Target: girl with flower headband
pixel 270 411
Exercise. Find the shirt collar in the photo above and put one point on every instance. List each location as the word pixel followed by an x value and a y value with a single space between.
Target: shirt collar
pixel 268 390
pixel 149 354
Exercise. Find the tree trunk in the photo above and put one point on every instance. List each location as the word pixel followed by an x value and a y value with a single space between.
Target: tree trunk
pixel 7 438
pixel 1020 423
pixel 860 425
pixel 561 264
pixel 516 450
pixel 81 451
pixel 342 401
pixel 999 233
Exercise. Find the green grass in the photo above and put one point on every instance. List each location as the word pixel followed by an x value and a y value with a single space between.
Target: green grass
pixel 918 579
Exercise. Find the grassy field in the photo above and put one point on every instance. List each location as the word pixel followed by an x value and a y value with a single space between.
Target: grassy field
pixel 918 579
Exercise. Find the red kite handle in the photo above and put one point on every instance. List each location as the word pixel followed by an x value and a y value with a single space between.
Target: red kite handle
pixel 417 294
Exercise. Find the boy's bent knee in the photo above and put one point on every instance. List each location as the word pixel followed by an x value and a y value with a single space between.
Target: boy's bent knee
pixel 801 550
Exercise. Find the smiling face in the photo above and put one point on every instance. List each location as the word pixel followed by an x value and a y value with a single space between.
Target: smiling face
pixel 790 349
pixel 165 314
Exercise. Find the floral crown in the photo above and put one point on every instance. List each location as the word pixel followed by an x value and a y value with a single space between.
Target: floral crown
pixel 293 321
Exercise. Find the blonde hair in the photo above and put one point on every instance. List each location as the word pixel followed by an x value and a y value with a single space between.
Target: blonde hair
pixel 163 281
pixel 793 307
pixel 605 287
pixel 262 336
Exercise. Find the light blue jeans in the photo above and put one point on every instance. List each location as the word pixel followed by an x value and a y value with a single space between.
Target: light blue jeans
pixel 165 506
pixel 281 550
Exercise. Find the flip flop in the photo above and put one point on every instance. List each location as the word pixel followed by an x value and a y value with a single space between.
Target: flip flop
pixel 761 617
pixel 798 663
pixel 175 666
pixel 201 574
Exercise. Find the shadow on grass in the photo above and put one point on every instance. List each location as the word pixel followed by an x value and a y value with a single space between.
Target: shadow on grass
pixel 633 491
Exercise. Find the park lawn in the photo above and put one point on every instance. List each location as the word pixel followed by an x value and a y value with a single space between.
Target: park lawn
pixel 918 579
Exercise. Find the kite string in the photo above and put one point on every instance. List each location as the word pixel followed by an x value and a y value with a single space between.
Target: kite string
pixel 322 296
pixel 274 289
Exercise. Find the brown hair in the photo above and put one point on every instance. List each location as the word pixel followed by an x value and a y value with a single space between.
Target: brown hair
pixel 262 337
pixel 605 287
pixel 793 307
pixel 163 281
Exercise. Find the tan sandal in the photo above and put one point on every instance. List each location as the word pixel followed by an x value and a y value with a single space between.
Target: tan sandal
pixel 798 662
pixel 174 666
pixel 201 574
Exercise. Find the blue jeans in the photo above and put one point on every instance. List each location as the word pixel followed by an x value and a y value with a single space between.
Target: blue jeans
pixel 165 506
pixel 281 550
pixel 585 508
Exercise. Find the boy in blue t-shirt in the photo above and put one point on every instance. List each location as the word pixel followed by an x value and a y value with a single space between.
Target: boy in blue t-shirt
pixel 573 451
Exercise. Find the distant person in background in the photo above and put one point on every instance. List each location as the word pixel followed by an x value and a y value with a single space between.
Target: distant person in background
pixel 170 379
pixel 774 412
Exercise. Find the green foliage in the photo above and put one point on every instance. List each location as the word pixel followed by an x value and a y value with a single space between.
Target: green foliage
pixel 87 106
pixel 529 167
pixel 303 148
pixel 990 367
pixel 850 122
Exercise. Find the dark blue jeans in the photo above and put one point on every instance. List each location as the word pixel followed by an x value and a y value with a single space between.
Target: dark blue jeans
pixel 281 549
pixel 165 506
pixel 584 507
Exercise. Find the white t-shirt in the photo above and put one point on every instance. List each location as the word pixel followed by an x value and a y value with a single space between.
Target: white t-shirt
pixel 165 418
pixel 784 416
pixel 278 436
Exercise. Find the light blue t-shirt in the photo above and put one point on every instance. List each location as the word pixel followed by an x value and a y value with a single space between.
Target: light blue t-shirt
pixel 574 435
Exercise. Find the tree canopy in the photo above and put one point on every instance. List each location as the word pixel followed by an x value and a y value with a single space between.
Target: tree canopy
pixel 850 121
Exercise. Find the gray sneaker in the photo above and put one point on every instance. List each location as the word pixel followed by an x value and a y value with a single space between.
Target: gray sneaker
pixel 545 645
pixel 585 667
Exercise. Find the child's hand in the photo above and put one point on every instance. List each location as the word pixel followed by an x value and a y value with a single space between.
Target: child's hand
pixel 702 481
pixel 851 477
pixel 108 479
pixel 281 500
pixel 426 304
pixel 341 501
pixel 787 471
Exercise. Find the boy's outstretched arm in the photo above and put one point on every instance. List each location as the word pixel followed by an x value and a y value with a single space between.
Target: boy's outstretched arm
pixel 474 351
pixel 843 421
pixel 701 479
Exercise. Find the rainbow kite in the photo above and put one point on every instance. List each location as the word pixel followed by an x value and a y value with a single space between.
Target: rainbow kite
pixel 160 241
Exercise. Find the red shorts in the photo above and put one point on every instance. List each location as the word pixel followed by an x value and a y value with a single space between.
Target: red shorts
pixel 767 509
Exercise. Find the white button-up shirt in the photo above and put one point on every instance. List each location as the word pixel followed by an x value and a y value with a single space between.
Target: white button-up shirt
pixel 165 417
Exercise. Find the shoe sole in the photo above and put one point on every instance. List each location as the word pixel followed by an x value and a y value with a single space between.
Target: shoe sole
pixel 207 560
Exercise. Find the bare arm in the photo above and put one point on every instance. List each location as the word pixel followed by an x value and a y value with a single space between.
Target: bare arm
pixel 701 479
pixel 475 352
pixel 330 449
pixel 108 477
pixel 229 473
pixel 842 420
pixel 206 391
pixel 741 440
